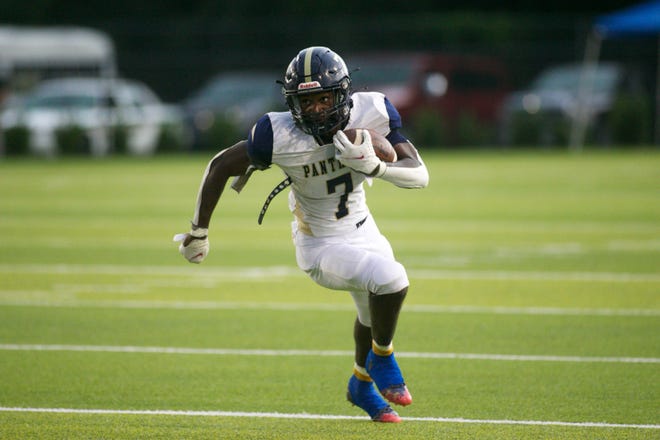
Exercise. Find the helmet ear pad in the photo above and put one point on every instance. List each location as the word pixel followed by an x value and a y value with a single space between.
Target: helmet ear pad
pixel 317 69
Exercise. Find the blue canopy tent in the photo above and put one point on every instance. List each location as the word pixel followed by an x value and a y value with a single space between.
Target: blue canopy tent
pixel 640 20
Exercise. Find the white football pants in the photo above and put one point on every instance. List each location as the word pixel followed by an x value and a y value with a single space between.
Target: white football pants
pixel 360 262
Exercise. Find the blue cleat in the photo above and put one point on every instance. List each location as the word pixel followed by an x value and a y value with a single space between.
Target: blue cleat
pixel 386 374
pixel 363 395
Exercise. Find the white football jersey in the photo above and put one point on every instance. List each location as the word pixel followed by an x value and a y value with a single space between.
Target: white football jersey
pixel 326 197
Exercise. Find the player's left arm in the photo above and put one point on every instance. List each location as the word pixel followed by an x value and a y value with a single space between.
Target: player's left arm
pixel 407 155
pixel 409 171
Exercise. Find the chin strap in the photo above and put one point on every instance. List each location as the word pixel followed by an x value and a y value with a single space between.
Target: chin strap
pixel 278 189
pixel 239 181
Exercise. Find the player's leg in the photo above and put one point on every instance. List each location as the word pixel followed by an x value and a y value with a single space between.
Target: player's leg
pixel 374 352
pixel 362 337
pixel 334 267
pixel 381 363
pixel 387 282
pixel 384 311
pixel 366 265
pixel 361 391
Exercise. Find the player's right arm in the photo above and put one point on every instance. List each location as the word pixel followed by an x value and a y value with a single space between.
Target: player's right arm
pixel 255 152
pixel 232 161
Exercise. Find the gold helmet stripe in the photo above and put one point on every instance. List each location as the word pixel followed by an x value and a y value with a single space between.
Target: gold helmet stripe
pixel 308 64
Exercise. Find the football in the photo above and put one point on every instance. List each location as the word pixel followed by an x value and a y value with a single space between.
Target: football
pixel 382 147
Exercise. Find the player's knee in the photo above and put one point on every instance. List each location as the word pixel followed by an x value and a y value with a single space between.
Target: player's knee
pixel 389 278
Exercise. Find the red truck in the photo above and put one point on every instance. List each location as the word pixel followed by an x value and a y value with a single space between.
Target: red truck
pixel 453 88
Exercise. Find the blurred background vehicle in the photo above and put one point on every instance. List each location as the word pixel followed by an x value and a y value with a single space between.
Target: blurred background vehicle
pixel 543 112
pixel 92 115
pixel 451 98
pixel 224 109
pixel 31 54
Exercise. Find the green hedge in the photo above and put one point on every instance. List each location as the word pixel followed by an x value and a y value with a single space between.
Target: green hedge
pixel 630 121
pixel 72 140
pixel 16 141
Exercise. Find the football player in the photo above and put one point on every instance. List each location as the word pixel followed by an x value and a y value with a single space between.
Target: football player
pixel 336 239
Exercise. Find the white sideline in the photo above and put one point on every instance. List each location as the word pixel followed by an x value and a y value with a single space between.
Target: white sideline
pixel 262 352
pixel 276 415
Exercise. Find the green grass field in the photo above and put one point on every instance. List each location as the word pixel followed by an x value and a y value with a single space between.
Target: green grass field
pixel 533 312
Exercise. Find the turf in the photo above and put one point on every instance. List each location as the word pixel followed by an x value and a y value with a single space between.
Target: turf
pixel 533 312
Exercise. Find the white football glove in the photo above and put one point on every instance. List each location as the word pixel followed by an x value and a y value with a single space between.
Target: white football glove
pixel 360 157
pixel 194 245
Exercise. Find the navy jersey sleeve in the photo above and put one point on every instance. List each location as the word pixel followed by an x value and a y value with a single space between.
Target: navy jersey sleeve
pixel 260 143
pixel 395 124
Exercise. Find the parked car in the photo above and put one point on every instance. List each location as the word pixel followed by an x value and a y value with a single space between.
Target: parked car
pixel 99 109
pixel 446 89
pixel 227 106
pixel 544 111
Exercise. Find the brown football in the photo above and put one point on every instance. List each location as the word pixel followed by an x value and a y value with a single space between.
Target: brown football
pixel 383 148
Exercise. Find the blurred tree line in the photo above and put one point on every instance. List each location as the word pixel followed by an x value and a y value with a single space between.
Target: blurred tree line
pixel 58 11
pixel 176 45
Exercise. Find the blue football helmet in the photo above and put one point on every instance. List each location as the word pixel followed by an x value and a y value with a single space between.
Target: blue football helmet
pixel 317 69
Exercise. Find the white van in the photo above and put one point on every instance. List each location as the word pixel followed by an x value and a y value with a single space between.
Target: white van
pixel 31 54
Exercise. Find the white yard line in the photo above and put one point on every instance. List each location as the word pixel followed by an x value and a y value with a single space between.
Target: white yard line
pixel 322 307
pixel 559 311
pixel 623 277
pixel 307 416
pixel 290 271
pixel 316 353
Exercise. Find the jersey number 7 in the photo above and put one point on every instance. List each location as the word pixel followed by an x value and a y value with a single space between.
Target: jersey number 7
pixel 332 184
